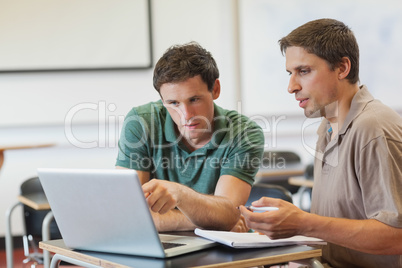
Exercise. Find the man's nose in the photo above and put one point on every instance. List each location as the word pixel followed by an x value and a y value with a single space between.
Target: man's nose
pixel 294 85
pixel 187 112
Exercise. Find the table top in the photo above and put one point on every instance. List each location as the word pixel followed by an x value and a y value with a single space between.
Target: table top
pixel 24 146
pixel 37 201
pixel 20 147
pixel 301 181
pixel 219 256
pixel 286 171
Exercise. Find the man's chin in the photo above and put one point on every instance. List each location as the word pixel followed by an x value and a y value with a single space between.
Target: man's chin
pixel 313 114
pixel 188 135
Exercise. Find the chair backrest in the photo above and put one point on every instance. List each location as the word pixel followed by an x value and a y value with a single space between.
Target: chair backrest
pixel 288 157
pixel 309 172
pixel 30 186
pixel 269 190
pixel 33 219
pixel 280 160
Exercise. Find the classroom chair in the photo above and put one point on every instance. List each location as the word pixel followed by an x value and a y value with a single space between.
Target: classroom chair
pixel 269 190
pixel 33 219
pixel 278 166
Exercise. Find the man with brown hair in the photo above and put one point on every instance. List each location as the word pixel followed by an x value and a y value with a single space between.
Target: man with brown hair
pixel 356 201
pixel 196 161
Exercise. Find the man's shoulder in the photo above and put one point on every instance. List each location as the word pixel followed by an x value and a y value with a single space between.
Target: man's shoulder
pixel 149 114
pixel 376 114
pixel 234 118
pixel 148 109
pixel 238 129
pixel 376 120
pixel 372 112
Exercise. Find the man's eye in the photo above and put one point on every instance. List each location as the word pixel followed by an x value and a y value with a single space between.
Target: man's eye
pixel 173 103
pixel 194 99
pixel 303 71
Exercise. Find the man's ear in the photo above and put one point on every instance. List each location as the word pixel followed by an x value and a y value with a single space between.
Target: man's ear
pixel 216 91
pixel 344 68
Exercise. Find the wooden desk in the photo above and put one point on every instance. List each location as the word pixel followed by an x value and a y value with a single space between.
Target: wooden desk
pixel 289 170
pixel 20 147
pixel 35 201
pixel 219 256
pixel 301 181
pixel 304 184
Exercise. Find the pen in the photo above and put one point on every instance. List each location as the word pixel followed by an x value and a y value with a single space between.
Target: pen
pixel 261 209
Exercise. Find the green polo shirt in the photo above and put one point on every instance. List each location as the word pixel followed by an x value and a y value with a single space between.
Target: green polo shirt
pixel 149 142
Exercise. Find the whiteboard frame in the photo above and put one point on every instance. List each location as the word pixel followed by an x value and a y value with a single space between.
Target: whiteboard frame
pixel 83 66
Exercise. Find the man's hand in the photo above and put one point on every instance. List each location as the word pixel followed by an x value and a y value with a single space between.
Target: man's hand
pixel 240 226
pixel 217 212
pixel 162 195
pixel 281 223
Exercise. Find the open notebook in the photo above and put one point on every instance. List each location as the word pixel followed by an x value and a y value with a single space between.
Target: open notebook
pixel 255 240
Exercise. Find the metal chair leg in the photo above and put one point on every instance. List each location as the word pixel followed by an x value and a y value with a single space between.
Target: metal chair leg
pixel 35 256
pixel 9 237
pixel 46 236
pixel 313 263
pixel 58 258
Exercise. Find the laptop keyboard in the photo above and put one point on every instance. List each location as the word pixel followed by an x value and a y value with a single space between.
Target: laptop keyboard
pixel 167 245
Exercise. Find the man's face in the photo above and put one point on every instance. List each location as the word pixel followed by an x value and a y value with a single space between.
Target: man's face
pixel 313 83
pixel 191 107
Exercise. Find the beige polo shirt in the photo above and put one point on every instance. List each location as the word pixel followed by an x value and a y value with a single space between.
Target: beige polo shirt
pixel 358 175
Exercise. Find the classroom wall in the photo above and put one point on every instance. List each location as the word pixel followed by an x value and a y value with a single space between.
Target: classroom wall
pixel 376 24
pixel 34 107
pixel 82 112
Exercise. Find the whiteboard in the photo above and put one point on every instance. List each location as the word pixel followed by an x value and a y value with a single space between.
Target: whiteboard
pixel 74 34
pixel 377 26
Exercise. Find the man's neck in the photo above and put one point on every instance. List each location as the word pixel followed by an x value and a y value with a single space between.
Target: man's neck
pixel 194 145
pixel 343 107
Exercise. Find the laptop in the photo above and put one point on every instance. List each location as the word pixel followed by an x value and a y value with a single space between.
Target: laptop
pixel 104 210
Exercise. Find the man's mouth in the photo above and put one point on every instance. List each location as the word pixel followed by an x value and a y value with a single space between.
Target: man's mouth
pixel 191 126
pixel 302 102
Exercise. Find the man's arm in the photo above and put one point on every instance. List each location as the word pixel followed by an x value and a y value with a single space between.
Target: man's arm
pixel 216 211
pixel 196 210
pixel 369 236
pixel 144 176
pixel 173 220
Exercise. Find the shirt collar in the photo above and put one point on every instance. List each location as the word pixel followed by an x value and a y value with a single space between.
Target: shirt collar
pixel 359 102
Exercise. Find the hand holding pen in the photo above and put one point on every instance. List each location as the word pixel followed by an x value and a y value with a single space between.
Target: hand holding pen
pixel 261 209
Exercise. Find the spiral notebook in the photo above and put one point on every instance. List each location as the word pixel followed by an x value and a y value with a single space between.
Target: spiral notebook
pixel 255 240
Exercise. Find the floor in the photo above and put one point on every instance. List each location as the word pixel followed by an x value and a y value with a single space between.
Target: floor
pixel 19 257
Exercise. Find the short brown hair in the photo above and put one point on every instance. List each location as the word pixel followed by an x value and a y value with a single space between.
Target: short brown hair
pixel 328 39
pixel 181 62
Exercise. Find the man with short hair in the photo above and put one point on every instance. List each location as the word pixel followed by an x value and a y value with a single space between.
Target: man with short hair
pixel 356 202
pixel 196 161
